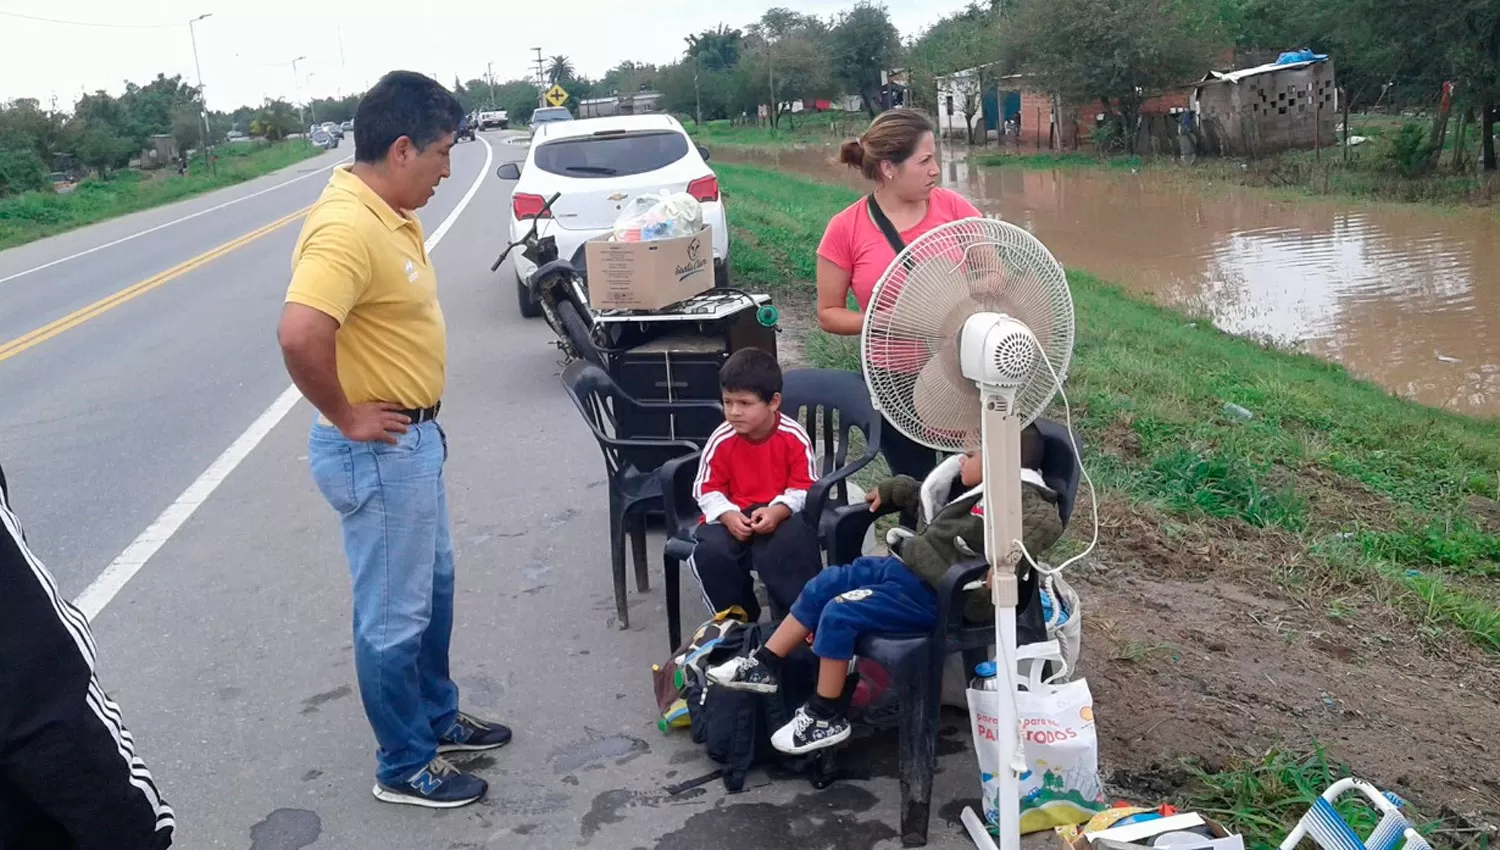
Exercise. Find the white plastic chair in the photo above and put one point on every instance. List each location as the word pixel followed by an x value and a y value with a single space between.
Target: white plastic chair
pixel 1328 829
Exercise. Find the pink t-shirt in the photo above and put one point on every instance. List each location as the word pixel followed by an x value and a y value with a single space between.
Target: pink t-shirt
pixel 855 244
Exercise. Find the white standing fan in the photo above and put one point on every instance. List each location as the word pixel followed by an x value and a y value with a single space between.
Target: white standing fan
pixel 966 340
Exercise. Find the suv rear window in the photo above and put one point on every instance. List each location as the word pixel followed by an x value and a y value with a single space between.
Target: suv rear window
pixel 612 156
pixel 544 115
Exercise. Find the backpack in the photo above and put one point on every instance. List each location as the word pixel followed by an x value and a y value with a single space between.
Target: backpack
pixel 735 727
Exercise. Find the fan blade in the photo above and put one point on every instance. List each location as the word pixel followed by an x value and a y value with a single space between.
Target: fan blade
pixel 943 399
pixel 922 301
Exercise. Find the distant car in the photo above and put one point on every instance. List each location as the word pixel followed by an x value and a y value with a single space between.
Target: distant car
pixel 347 127
pixel 494 118
pixel 598 165
pixel 332 128
pixel 549 115
pixel 323 139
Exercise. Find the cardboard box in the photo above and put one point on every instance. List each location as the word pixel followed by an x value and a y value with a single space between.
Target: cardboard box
pixel 1152 834
pixel 648 275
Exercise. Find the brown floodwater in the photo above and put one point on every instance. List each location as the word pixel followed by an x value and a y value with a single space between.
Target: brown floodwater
pixel 1408 298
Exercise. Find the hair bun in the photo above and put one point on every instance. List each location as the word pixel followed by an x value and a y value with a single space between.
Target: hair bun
pixel 852 153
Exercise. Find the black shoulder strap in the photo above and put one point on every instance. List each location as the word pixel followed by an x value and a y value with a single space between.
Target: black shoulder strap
pixel 891 234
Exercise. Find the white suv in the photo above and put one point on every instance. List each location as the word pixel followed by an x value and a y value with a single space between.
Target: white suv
pixel 599 165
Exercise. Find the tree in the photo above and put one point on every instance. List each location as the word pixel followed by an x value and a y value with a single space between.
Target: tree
pixel 187 128
pixel 716 49
pixel 335 109
pixel 1118 52
pixel 153 109
pixel 863 44
pixel 559 70
pixel 629 77
pixel 102 147
pixel 517 97
pixel 25 125
pixel 786 60
pixel 21 170
pixel 276 120
pixel 968 41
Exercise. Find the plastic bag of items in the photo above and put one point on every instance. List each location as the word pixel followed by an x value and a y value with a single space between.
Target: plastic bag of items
pixel 664 216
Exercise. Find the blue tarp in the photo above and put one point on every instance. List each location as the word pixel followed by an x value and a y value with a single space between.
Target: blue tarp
pixel 1303 55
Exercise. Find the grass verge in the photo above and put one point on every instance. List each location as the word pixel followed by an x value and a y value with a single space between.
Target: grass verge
pixel 1346 489
pixel 811 129
pixel 34 215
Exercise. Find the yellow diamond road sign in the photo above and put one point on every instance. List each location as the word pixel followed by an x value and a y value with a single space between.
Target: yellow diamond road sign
pixel 556 96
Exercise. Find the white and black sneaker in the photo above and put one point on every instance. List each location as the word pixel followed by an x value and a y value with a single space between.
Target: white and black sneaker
pixel 807 733
pixel 745 673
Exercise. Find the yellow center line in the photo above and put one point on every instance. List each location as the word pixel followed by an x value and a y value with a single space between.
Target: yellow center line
pixel 109 302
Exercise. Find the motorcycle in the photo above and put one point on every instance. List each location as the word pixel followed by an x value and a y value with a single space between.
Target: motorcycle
pixel 464 132
pixel 557 286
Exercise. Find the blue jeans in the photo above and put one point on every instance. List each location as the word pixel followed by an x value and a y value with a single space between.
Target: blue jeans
pixel 868 596
pixel 393 511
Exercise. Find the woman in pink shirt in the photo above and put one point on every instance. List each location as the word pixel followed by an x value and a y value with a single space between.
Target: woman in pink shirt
pixel 898 153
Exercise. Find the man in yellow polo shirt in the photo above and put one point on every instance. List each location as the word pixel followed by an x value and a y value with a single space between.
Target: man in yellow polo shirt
pixel 363 338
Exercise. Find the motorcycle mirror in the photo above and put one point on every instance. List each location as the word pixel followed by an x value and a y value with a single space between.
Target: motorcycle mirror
pixel 508 171
pixel 703 152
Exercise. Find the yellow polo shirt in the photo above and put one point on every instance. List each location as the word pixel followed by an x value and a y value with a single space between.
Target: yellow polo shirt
pixel 365 265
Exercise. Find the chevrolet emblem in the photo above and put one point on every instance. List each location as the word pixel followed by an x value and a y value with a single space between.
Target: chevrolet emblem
pixel 618 197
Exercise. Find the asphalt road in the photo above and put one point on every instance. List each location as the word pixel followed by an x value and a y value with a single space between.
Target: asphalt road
pixel 229 650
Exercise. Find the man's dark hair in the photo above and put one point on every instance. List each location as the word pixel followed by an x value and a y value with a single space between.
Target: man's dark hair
pixel 403 103
pixel 753 371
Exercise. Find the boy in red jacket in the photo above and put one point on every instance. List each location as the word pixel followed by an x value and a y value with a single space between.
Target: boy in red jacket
pixel 752 483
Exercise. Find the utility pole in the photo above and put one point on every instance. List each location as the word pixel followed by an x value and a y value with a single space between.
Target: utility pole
pixel 771 72
pixel 297 81
pixel 310 103
pixel 202 98
pixel 698 90
pixel 490 72
pixel 541 77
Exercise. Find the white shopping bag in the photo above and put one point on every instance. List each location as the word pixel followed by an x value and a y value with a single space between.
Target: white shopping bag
pixel 1061 784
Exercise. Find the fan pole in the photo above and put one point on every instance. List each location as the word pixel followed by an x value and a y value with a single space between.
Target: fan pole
pixel 1000 434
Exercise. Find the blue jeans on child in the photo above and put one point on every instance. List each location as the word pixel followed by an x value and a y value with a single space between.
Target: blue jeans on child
pixel 870 595
pixel 393 511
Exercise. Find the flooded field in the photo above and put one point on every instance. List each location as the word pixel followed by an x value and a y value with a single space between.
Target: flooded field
pixel 1408 298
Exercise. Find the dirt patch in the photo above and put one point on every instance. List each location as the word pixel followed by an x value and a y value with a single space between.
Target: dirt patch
pixel 1486 512
pixel 798 318
pixel 1193 648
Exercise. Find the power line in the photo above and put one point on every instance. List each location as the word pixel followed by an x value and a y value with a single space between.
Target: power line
pixel 88 23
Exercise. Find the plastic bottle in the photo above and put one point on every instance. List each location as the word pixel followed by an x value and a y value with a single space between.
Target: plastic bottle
pixel 984 677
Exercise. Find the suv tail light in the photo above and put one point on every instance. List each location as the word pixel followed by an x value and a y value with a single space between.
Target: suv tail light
pixel 529 206
pixel 705 188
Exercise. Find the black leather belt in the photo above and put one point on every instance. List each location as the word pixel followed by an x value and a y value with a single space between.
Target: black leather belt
pixel 426 414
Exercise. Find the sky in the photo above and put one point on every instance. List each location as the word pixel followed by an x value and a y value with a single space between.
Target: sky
pixel 246 49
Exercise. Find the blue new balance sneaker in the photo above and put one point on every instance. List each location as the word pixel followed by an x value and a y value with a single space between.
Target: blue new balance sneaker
pixel 439 785
pixel 469 734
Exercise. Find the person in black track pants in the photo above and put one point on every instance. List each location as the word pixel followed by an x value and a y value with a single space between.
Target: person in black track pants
pixel 70 778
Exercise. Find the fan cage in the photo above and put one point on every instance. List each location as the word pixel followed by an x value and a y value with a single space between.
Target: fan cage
pixel 909 345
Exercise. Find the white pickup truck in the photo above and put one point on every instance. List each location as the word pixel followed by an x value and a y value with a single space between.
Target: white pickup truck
pixel 494 118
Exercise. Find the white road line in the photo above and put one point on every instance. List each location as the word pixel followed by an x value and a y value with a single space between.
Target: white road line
pixel 165 225
pixel 122 569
